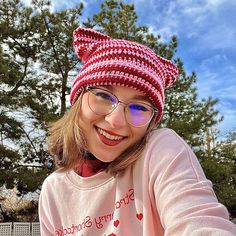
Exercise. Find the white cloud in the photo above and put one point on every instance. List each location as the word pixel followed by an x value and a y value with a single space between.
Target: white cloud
pixel 205 21
pixel 227 93
pixel 217 77
pixel 206 35
pixel 61 4
pixel 27 2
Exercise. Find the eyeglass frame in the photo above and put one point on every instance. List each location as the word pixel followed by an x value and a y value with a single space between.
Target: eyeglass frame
pixel 90 88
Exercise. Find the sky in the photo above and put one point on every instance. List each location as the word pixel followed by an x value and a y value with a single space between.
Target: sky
pixel 206 35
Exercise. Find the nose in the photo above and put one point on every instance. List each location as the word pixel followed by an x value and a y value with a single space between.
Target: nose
pixel 117 117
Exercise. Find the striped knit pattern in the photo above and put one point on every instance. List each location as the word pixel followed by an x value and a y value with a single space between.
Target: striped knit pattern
pixel 109 61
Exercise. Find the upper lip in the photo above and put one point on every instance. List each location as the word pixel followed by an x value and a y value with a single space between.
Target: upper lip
pixel 111 133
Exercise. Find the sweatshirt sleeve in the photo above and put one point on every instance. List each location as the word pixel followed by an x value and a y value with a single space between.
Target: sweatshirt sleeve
pixel 46 209
pixel 184 198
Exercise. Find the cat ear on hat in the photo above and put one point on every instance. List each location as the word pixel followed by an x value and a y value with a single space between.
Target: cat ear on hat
pixel 171 71
pixel 86 41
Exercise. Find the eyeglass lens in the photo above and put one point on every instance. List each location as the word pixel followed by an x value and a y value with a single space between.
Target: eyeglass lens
pixel 103 102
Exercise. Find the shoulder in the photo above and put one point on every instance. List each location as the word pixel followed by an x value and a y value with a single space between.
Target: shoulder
pixel 165 138
pixel 166 150
pixel 54 179
pixel 164 142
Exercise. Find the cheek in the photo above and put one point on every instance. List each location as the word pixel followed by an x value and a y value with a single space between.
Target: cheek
pixel 86 115
pixel 85 112
pixel 139 132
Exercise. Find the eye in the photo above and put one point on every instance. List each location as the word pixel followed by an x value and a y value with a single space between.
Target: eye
pixel 138 107
pixel 104 96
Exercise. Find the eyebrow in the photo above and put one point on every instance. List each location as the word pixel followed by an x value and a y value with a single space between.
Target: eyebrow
pixel 142 97
pixel 138 97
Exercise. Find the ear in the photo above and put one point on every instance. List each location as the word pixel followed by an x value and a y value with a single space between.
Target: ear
pixel 86 41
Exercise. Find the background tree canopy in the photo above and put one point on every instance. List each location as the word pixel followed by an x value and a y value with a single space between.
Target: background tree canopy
pixel 37 67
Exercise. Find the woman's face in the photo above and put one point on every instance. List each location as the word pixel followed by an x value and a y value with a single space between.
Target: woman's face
pixel 107 136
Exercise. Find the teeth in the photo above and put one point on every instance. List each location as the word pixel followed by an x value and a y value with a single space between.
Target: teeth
pixel 109 136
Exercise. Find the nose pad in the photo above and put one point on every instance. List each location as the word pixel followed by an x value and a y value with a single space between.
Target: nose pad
pixel 117 117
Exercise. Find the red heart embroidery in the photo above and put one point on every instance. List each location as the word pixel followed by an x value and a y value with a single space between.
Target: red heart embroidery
pixel 112 234
pixel 116 223
pixel 140 216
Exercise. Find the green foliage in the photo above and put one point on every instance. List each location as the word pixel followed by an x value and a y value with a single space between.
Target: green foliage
pixel 57 54
pixel 36 56
pixel 117 20
pixel 9 160
pixel 184 113
pixel 220 167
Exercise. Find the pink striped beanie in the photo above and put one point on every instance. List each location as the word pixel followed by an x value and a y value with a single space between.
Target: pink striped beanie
pixel 109 61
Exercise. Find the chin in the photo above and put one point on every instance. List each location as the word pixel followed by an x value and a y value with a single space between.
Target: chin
pixel 105 157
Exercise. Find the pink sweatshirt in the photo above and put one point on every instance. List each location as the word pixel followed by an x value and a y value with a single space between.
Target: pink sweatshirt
pixel 165 193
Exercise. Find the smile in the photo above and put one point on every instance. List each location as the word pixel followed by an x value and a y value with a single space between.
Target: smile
pixel 109 136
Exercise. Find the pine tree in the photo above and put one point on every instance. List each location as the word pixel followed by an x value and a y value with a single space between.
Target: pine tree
pixel 17 53
pixel 36 57
pixel 57 56
pixel 219 164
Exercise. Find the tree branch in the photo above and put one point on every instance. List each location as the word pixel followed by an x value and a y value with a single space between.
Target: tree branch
pixel 53 46
pixel 19 82
pixel 29 139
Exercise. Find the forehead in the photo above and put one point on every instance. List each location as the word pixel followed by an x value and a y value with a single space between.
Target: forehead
pixel 128 92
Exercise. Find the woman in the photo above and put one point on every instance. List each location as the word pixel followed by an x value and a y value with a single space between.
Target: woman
pixel 117 175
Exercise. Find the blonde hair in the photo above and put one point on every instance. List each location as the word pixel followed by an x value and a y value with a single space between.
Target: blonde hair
pixel 67 145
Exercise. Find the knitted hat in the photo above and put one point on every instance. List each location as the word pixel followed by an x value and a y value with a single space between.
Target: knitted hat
pixel 109 61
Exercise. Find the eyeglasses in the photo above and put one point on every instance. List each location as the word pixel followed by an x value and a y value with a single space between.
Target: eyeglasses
pixel 103 102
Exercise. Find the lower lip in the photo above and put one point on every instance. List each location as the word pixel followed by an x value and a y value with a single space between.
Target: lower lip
pixel 107 141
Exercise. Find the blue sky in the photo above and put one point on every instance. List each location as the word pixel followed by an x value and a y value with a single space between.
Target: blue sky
pixel 206 34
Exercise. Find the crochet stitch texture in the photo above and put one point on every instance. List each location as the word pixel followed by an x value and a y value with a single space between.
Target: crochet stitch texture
pixel 109 61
